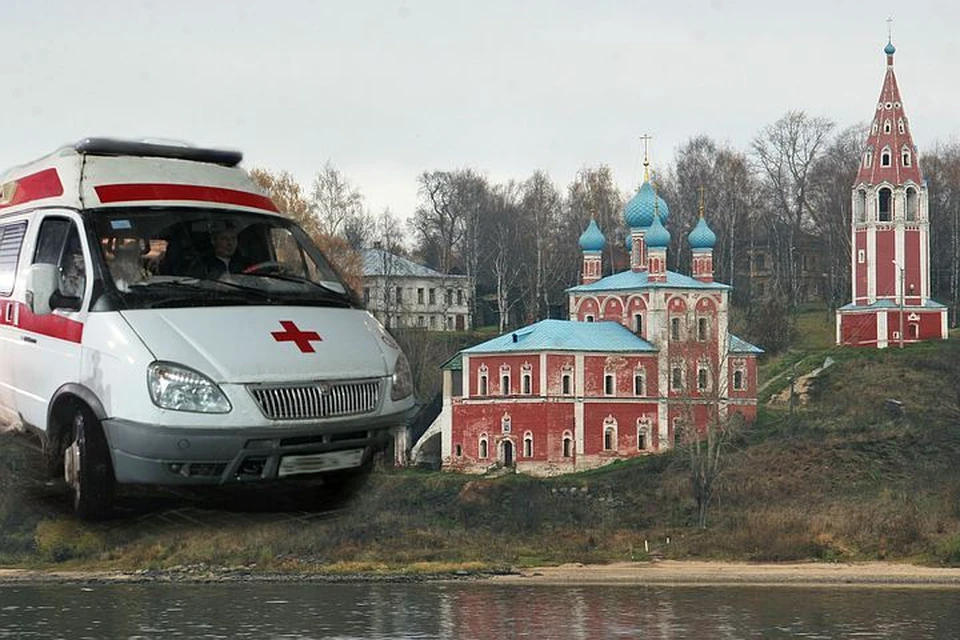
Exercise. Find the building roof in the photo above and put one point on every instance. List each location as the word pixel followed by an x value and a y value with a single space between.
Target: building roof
pixel 455 363
pixel 379 262
pixel 592 238
pixel 565 335
pixel 627 280
pixel 891 305
pixel 890 132
pixel 737 345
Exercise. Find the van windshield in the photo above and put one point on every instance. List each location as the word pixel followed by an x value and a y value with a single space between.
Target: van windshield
pixel 181 257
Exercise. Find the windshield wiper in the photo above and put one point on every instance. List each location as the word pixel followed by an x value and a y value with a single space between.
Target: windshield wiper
pixel 289 277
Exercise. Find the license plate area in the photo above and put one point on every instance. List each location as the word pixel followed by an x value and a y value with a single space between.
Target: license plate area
pixel 320 462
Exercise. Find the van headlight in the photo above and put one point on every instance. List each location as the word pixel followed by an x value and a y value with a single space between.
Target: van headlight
pixel 402 379
pixel 176 387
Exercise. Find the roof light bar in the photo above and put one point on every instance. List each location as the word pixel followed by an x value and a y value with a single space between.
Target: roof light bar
pixel 116 147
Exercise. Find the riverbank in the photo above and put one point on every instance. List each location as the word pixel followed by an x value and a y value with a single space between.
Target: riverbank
pixel 661 573
pixel 687 573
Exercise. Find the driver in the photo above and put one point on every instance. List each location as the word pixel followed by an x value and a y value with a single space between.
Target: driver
pixel 224 258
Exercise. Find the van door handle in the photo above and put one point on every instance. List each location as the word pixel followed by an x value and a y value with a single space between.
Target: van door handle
pixel 29 339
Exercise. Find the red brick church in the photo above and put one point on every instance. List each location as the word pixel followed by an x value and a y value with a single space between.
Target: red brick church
pixel 890 236
pixel 645 353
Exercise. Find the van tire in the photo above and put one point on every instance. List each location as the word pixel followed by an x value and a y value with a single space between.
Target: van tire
pixel 87 467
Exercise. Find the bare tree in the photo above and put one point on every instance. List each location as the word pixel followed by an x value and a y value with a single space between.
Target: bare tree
pixel 502 259
pixel 540 210
pixel 941 168
pixel 832 179
pixel 786 152
pixel 335 200
pixel 707 444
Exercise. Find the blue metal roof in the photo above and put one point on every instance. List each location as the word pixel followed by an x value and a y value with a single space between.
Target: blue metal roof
pixel 891 305
pixel 737 345
pixel 379 262
pixel 566 335
pixel 627 280
pixel 592 238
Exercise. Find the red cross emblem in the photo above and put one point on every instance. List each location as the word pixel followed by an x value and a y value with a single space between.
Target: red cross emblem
pixel 291 333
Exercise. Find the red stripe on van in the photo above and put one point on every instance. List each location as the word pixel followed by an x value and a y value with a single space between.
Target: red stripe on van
pixel 139 192
pixel 51 325
pixel 43 184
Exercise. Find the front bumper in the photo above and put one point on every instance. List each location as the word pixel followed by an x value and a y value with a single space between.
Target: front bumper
pixel 161 455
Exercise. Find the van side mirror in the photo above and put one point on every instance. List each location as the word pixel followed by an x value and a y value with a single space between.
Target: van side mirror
pixel 42 281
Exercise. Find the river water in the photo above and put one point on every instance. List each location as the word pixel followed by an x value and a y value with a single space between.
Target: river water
pixel 473 610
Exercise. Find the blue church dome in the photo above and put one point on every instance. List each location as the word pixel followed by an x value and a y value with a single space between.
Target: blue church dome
pixel 702 236
pixel 657 236
pixel 640 210
pixel 889 49
pixel 592 238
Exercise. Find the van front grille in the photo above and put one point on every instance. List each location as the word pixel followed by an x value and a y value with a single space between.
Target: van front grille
pixel 317 400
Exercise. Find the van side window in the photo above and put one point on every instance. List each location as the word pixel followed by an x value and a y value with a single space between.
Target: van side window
pixel 59 243
pixel 11 239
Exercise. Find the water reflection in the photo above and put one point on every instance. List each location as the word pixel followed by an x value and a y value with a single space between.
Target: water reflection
pixel 472 610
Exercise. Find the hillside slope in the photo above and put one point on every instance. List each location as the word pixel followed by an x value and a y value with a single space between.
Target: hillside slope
pixel 845 475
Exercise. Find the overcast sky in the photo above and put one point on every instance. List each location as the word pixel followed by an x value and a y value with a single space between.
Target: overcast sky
pixel 386 90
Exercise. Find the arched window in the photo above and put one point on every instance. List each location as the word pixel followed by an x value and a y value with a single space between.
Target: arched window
pixel 526 379
pixel 912 202
pixel 643 433
pixel 703 378
pixel 527 445
pixel 905 156
pixel 505 423
pixel 860 205
pixel 738 380
pixel 482 381
pixel 609 384
pixel 676 377
pixel 703 329
pixel 566 383
pixel 589 318
pixel 567 445
pixel 609 437
pixel 868 158
pixel 884 205
pixel 886 126
pixel 876 126
pixel 609 433
pixel 639 383
pixel 674 328
pixel 638 323
pixel 504 380
pixel 900 126
pixel 484 447
pixel 459 451
pixel 885 157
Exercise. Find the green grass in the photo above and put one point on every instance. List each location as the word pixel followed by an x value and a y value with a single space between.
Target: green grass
pixel 842 478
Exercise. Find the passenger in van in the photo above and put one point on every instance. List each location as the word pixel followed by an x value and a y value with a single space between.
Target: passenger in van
pixel 224 258
pixel 126 263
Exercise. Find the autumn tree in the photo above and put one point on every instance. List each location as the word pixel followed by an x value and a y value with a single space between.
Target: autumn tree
pixel 286 193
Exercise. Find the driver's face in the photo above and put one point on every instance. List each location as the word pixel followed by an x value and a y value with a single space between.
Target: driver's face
pixel 225 243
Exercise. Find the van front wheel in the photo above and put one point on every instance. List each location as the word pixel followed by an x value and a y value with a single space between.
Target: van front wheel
pixel 87 467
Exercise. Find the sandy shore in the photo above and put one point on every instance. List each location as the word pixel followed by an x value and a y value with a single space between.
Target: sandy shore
pixel 666 573
pixel 669 572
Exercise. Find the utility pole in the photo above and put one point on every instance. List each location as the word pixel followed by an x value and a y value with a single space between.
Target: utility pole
pixel 901 298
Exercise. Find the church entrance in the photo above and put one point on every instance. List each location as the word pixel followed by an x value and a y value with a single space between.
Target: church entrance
pixel 507 453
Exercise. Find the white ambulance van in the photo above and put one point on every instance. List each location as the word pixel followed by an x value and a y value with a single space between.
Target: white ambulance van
pixel 161 323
